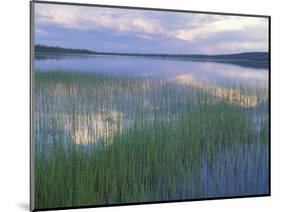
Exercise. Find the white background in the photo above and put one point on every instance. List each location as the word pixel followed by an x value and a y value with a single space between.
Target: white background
pixel 14 104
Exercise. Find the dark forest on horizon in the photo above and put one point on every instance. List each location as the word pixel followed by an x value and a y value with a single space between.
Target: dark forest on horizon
pixel 248 59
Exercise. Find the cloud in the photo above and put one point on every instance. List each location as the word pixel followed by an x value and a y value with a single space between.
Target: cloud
pixel 202 30
pixel 210 33
pixel 44 33
pixel 242 46
pixel 87 18
pixel 41 32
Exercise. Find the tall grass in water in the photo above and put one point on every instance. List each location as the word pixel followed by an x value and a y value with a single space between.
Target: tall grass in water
pixel 110 140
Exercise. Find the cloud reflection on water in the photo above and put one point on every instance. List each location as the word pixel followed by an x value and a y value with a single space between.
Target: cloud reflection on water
pixel 233 95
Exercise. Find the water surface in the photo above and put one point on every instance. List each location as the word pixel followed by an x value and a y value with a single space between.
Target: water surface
pixel 168 68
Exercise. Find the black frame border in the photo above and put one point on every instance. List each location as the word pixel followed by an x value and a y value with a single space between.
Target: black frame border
pixel 31 65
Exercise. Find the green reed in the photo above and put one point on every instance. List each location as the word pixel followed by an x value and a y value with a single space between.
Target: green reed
pixel 161 140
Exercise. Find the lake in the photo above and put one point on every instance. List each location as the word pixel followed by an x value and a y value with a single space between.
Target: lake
pixel 221 73
pixel 119 129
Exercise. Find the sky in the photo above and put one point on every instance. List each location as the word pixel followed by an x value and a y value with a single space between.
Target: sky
pixel 147 31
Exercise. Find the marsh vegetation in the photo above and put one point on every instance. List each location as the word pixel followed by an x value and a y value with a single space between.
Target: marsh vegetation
pixel 102 139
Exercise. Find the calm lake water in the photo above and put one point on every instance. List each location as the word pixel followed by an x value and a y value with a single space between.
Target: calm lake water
pixel 221 73
pixel 169 130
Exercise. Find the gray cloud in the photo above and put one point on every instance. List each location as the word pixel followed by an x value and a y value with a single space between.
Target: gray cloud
pixel 167 31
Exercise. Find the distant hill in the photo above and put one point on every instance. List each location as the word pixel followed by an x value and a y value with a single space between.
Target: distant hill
pixel 60 50
pixel 250 56
pixel 248 59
